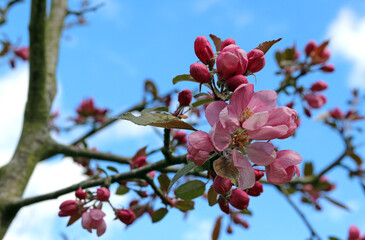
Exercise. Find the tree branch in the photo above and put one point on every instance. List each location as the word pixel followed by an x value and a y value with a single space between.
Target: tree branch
pixel 300 213
pixel 72 151
pixel 135 173
pixel 83 11
pixel 157 191
pixel 4 11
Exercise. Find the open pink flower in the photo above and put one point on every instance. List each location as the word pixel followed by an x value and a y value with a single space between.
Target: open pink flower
pixel 94 220
pixel 284 168
pixel 199 147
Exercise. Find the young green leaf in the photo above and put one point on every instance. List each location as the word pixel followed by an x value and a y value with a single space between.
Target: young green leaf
pixel 184 170
pixel 190 190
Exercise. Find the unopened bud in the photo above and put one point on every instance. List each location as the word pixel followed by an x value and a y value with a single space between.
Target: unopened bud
pixel 239 199
pixel 328 68
pixel 258 174
pixel 223 205
pixel 80 194
pixel 127 216
pixel 185 97
pixel 319 86
pixel 227 42
pixel 199 72
pixel 221 185
pixel 68 208
pixel 203 49
pixel 309 48
pixel 256 190
pixel 256 60
pixel 337 113
pixel 102 194
pixel 235 81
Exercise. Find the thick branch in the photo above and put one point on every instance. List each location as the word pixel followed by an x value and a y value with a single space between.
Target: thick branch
pixel 77 152
pixel 135 173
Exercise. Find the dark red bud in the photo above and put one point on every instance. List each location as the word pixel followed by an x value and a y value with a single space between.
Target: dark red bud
pixel 235 81
pixel 185 97
pixel 221 185
pixel 126 216
pixel 239 199
pixel 199 72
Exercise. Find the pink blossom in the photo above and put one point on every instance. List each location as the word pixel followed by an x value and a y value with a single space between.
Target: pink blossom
pixel 231 61
pixel 337 113
pixel 94 220
pixel 23 53
pixel 236 81
pixel 284 167
pixel 315 100
pixel 203 49
pixel 199 147
pixel 310 47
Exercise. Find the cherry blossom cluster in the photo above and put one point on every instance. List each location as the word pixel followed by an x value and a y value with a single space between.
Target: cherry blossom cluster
pixel 88 206
pixel 292 67
pixel 242 129
pixel 88 111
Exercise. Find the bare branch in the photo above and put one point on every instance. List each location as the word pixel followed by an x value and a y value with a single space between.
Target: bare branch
pixel 4 11
pixel 85 10
pixel 158 192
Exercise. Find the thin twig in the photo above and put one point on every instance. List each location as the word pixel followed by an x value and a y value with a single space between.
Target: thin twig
pixel 300 213
pixel 83 11
pixel 4 11
pixel 159 193
pixel 166 142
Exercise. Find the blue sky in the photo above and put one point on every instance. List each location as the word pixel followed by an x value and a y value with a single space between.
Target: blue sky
pixel 126 42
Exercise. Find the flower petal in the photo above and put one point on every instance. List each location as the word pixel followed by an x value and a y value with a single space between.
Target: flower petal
pixel 229 119
pixel 200 140
pixel 101 228
pixel 263 101
pixel 86 221
pixel 288 158
pixel 261 153
pixel 221 138
pixel 213 110
pixel 276 174
pixel 247 173
pixel 268 132
pixel 241 98
pixel 256 121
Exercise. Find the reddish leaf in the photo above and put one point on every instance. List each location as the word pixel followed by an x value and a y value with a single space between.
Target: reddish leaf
pixel 212 196
pixel 217 228
pixel 73 219
pixel 265 46
pixel 164 181
pixel 226 169
pixel 217 42
pixel 149 86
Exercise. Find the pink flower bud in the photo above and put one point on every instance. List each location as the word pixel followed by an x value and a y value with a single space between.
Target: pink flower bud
pixel 239 199
pixel 337 113
pixel 229 229
pixel 227 42
pixel 256 60
pixel 325 54
pixel 203 49
pixel 221 185
pixel 309 48
pixel 180 136
pixel 328 68
pixel 185 97
pixel 235 81
pixel 258 174
pixel 23 53
pixel 102 194
pixel 139 162
pixel 223 205
pixel 231 61
pixel 256 190
pixel 80 194
pixel 68 208
pixel 199 72
pixel 94 220
pixel 126 216
pixel 354 233
pixel 315 100
pixel 319 86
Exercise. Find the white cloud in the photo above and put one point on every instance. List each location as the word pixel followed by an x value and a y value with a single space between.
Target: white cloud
pixel 204 5
pixel 347 35
pixel 13 95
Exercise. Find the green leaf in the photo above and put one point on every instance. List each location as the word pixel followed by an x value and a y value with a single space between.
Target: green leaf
pixel 159 214
pixel 212 196
pixel 184 170
pixel 164 181
pixel 190 190
pixel 163 120
pixel 226 169
pixel 184 205
pixel 155 109
pixel 201 94
pixel 337 203
pixel 217 42
pixel 183 77
pixel 217 228
pixel 113 169
pixel 201 102
pixel 246 212
pixel 265 46
pixel 308 169
pixel 149 86
pixel 122 189
pixel 356 158
pixel 333 238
